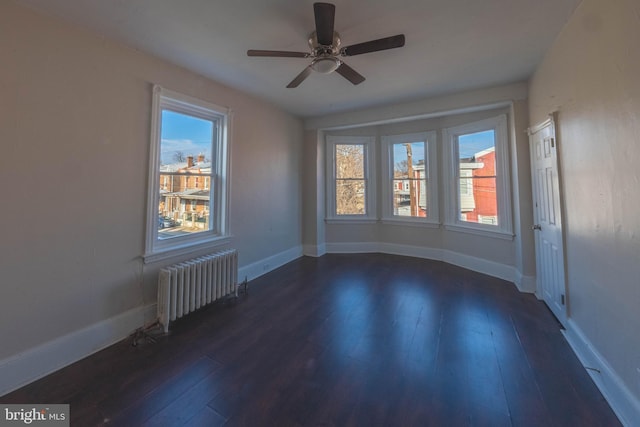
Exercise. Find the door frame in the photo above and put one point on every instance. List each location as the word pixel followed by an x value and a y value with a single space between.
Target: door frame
pixel 551 122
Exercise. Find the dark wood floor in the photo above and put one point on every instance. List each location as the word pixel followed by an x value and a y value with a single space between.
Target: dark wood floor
pixel 365 340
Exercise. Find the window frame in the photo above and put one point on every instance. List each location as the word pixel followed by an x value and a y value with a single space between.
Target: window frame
pixel 159 249
pixel 504 229
pixel 367 142
pixel 429 139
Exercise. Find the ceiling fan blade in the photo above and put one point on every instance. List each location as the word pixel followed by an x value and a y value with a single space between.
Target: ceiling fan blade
pixel 325 16
pixel 374 45
pixel 300 77
pixel 350 74
pixel 277 53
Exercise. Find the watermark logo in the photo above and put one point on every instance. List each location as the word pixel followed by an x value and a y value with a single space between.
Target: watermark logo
pixel 34 415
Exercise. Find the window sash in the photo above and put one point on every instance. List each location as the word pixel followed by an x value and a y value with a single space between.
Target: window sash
pixel 357 175
pixel 426 186
pixel 420 190
pixel 356 205
pixel 186 183
pixel 364 207
pixel 358 157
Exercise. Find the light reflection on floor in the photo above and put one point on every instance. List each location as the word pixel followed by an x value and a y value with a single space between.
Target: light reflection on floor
pixel 403 334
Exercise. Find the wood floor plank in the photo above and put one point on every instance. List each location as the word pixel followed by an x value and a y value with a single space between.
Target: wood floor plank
pixel 206 417
pixel 164 395
pixel 525 401
pixel 192 402
pixel 343 340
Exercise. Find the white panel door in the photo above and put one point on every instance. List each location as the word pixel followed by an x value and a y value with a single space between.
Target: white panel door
pixel 550 271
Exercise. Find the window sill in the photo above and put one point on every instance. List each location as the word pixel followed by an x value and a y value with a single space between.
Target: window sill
pixel 496 234
pixel 184 249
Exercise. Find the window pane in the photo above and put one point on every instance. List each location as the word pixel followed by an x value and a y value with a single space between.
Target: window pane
pixel 350 197
pixel 477 195
pixel 186 147
pixel 349 161
pixel 409 180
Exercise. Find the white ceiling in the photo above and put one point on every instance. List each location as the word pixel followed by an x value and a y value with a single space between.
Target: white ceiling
pixel 451 45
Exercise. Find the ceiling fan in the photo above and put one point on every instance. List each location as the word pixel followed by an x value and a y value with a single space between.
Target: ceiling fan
pixel 325 46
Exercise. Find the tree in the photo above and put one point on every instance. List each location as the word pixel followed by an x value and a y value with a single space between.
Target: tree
pixel 401 169
pixel 350 183
pixel 179 157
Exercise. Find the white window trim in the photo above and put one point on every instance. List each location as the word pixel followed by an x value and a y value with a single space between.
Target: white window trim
pixel 156 249
pixel 369 176
pixel 429 138
pixel 503 183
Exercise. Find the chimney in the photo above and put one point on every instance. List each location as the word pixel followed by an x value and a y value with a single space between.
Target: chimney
pixel 189 161
pixel 201 158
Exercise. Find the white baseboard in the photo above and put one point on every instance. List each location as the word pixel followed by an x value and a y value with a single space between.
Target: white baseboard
pixel 23 368
pixel 625 405
pixel 526 284
pixel 491 268
pixel 265 265
pixel 30 365
pixel 314 250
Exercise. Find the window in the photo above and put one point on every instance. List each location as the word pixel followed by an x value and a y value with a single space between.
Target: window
pixel 410 187
pixel 350 183
pixel 189 145
pixel 478 177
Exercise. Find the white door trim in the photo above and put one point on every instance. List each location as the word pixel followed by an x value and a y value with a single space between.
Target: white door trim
pixel 548 218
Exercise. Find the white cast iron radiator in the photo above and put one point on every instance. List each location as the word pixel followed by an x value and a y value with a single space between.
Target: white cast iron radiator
pixel 187 286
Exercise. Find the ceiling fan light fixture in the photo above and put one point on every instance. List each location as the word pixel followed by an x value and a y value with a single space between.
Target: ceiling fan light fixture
pixel 325 64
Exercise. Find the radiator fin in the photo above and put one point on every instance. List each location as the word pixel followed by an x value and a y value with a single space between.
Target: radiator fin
pixel 190 285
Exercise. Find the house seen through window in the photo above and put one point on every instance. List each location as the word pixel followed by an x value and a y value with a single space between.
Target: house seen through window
pixel 409 179
pixel 477 173
pixel 186 147
pixel 478 197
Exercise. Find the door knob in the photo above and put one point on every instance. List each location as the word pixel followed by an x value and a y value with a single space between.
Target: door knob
pixel 536 227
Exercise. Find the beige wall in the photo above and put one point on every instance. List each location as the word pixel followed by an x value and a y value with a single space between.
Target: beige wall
pixel 522 195
pixel 74 132
pixel 313 193
pixel 591 76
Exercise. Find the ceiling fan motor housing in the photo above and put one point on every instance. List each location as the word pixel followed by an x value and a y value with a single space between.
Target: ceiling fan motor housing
pixel 325 60
pixel 319 49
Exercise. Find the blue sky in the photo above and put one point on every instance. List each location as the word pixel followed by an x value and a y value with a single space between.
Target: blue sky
pixel 187 134
pixel 193 136
pixel 473 143
pixel 400 152
pixel 469 144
